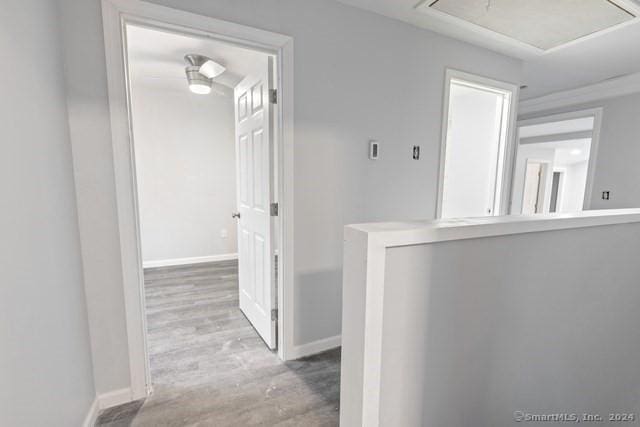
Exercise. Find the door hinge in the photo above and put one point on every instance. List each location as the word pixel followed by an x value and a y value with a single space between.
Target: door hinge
pixel 274 209
pixel 274 314
pixel 273 96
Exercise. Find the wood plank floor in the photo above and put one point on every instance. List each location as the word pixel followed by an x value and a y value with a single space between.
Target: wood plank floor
pixel 210 368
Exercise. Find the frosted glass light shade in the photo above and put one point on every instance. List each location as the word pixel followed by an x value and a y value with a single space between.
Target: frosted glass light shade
pixel 211 69
pixel 199 88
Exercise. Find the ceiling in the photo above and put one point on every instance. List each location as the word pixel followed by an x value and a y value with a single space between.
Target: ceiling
pixel 567 152
pixel 541 24
pixel 584 62
pixel 157 57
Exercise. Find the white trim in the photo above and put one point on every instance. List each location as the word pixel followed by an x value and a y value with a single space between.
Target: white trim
pixel 381 236
pixel 508 160
pixel 398 234
pixel 316 347
pixel 561 184
pixel 114 398
pixel 620 86
pixel 543 184
pixel 555 137
pixel 188 261
pixel 92 414
pixel 116 13
pixel 596 113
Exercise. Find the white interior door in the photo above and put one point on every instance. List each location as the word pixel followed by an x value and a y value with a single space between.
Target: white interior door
pixel 253 165
pixel 531 194
pixel 474 151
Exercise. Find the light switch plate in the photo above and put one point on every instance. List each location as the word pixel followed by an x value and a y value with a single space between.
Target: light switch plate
pixel 374 150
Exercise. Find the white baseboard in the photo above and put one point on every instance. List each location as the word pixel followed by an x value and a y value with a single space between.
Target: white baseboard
pixel 187 261
pixel 114 398
pixel 315 347
pixel 92 415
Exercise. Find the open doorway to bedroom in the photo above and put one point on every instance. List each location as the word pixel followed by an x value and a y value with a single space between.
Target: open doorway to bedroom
pixel 202 123
pixel 203 137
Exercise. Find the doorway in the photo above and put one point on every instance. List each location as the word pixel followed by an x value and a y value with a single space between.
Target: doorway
pixel 202 156
pixel 535 186
pixel 202 129
pixel 117 16
pixel 566 145
pixel 478 125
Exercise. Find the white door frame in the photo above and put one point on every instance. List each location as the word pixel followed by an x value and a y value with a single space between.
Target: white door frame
pixel 509 149
pixel 563 173
pixel 596 113
pixel 544 183
pixel 116 14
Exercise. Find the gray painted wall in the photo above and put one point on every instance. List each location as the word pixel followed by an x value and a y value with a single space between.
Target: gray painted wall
pixel 513 327
pixel 185 169
pixel 46 376
pixel 90 128
pixel 618 161
pixel 357 76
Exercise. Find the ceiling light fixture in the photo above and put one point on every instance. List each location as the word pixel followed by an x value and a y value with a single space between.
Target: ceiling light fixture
pixel 197 82
pixel 576 152
pixel 200 71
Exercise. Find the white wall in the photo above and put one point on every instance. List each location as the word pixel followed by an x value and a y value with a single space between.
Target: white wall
pixel 357 76
pixel 185 166
pixel 618 153
pixel 537 322
pixel 575 180
pixel 46 377
pixel 537 337
pixel 88 115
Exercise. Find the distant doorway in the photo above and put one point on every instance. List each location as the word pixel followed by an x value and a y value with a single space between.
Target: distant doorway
pixel 561 149
pixel 534 187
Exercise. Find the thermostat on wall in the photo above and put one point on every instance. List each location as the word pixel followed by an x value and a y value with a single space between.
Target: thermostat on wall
pixel 374 150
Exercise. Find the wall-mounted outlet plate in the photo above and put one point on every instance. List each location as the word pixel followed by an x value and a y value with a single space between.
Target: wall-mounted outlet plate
pixel 374 150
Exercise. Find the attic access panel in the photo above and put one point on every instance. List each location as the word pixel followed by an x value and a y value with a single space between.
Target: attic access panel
pixel 544 24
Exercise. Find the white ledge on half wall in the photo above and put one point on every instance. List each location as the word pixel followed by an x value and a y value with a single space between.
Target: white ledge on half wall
pixel 390 234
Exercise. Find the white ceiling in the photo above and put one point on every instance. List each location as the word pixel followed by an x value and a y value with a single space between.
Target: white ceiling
pixel 567 152
pixel 543 24
pixel 587 61
pixel 157 57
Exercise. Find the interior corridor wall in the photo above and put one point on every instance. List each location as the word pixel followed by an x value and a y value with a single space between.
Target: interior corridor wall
pixel 618 153
pixel 46 376
pixel 185 168
pixel 358 76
